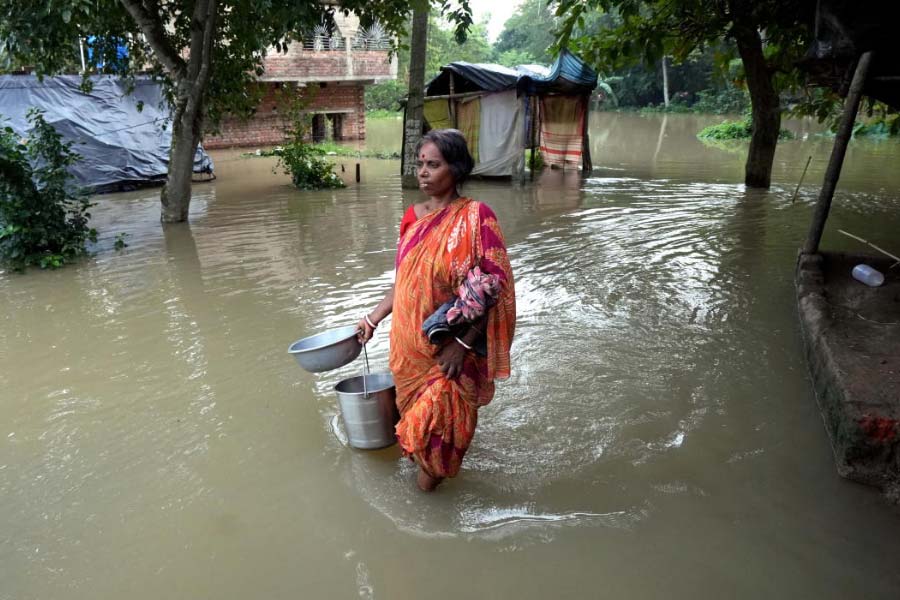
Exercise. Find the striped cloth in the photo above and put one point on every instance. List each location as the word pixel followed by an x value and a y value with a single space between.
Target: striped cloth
pixel 562 124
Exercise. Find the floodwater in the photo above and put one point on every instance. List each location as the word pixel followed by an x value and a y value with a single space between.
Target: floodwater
pixel 659 436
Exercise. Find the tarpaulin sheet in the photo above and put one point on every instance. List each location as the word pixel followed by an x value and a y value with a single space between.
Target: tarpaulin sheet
pixel 120 144
pixel 568 75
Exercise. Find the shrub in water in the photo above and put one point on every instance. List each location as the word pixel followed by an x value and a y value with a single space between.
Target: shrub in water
pixel 735 130
pixel 307 168
pixel 43 214
pixel 303 161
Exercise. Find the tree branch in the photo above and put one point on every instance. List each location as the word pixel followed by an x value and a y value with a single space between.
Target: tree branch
pixel 152 28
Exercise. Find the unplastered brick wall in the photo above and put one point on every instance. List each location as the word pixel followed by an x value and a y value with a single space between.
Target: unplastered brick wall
pixel 266 127
pixel 306 65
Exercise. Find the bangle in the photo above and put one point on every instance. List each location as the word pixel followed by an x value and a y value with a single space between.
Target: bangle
pixel 371 324
pixel 463 344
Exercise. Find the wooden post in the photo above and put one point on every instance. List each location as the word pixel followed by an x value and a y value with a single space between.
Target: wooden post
pixel 413 115
pixel 586 165
pixel 533 105
pixel 452 102
pixel 845 131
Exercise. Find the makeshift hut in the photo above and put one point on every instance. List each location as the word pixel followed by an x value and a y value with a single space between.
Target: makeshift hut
pixel 504 111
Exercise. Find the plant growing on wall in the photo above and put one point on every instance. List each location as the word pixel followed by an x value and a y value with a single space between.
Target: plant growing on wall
pixel 43 215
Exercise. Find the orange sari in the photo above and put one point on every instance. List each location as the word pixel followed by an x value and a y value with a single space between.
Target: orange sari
pixel 438 415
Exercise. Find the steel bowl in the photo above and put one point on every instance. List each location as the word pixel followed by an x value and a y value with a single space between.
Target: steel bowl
pixel 328 350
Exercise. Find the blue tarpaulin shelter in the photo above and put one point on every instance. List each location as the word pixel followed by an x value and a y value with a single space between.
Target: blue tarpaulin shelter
pixel 123 138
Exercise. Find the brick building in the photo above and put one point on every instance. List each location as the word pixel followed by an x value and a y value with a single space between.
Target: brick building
pixel 332 70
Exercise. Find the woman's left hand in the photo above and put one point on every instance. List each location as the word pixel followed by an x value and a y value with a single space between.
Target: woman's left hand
pixel 450 358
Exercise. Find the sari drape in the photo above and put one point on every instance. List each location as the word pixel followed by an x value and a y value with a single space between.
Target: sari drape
pixel 434 255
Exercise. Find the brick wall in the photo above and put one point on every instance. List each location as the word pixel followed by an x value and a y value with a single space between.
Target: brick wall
pixel 298 64
pixel 266 128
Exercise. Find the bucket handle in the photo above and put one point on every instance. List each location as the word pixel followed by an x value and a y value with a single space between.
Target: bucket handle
pixel 366 374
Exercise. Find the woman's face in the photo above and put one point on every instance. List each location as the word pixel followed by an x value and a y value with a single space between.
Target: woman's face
pixel 435 177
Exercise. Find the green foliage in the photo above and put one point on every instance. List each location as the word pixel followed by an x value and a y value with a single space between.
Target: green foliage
pixel 617 34
pixel 443 46
pixel 538 159
pixel 301 160
pixel 735 130
pixel 527 35
pixel 307 168
pixel 120 242
pixel 385 96
pixel 43 215
pixel 384 114
pixel 881 128
pixel 729 100
pixel 512 58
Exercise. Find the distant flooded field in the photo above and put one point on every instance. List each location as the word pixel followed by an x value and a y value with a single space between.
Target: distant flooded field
pixel 659 436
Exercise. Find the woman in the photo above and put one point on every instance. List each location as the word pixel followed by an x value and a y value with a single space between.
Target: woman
pixel 442 241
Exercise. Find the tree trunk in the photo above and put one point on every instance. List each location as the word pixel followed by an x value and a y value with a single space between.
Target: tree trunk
pixel 765 105
pixel 190 79
pixel 175 197
pixel 412 126
pixel 665 74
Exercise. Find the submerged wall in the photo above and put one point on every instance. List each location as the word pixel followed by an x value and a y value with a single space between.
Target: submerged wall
pixel 853 352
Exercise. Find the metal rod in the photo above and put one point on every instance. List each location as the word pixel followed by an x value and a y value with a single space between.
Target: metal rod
pixel 794 197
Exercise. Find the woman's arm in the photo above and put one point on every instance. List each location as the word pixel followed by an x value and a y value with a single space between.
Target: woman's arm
pixel 381 311
pixel 451 355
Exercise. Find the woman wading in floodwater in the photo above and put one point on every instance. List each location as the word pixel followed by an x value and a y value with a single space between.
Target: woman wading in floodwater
pixel 451 259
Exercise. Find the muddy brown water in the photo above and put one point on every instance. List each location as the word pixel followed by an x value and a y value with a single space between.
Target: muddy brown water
pixel 659 435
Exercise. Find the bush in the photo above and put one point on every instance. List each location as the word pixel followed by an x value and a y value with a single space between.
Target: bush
pixel 301 160
pixel 43 214
pixel 729 100
pixel 307 168
pixel 735 130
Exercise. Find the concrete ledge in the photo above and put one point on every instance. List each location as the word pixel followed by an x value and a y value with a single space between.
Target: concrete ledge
pixel 851 336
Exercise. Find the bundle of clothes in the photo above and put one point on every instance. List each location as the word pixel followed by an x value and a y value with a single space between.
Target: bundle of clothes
pixel 475 295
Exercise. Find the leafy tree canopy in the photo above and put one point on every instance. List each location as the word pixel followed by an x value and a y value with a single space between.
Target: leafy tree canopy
pixel 530 32
pixel 613 34
pixel 158 37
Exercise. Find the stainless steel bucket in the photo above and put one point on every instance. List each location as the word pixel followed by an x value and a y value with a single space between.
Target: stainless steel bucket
pixel 369 410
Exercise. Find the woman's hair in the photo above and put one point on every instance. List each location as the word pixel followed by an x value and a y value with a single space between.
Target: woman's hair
pixel 452 145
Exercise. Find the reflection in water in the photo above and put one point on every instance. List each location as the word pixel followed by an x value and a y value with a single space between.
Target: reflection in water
pixel 659 415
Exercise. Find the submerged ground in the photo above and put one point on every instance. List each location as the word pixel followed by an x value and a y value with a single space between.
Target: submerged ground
pixel 659 436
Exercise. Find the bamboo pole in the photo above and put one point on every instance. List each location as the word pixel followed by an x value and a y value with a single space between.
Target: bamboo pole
pixel 868 243
pixel 842 139
pixel 456 96
pixel 453 118
pixel 802 175
pixel 586 164
pixel 533 105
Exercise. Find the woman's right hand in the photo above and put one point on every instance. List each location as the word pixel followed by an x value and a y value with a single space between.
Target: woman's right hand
pixel 365 332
